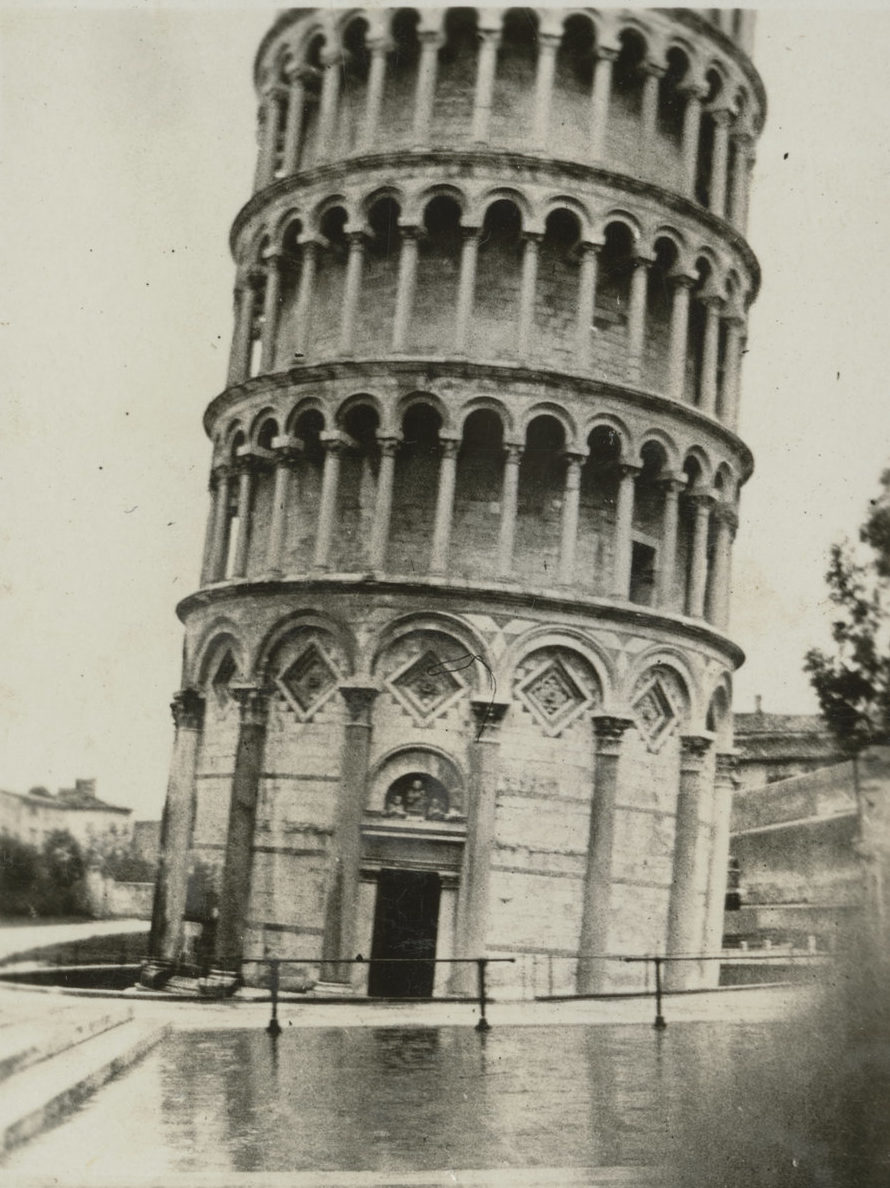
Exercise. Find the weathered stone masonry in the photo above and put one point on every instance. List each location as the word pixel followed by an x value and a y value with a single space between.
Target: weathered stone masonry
pixel 459 645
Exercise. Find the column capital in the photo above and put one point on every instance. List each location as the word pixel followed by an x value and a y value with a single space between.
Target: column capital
pixel 286 446
pixel 702 501
pixel 609 730
pixel 251 459
pixel 726 772
pixel 682 280
pixel 410 231
pixel 673 481
pixel 513 451
pixel 725 513
pixel 468 231
pixel 590 247
pixel 220 473
pixel 574 458
pixel 381 43
pixel 450 443
pixel 693 749
pixel 274 258
pixel 187 708
pixel 712 301
pixel 722 116
pixel 431 37
pixel 653 69
pixel 359 699
pixel 549 41
pixel 357 236
pixel 334 56
pixel 694 91
pixel 489 35
pixel 488 714
pixel 642 260
pixel 335 441
pixel 606 53
pixel 253 702
pixel 389 443
pixel 627 469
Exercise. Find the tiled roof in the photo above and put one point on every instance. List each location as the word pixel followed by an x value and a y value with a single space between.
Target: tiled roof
pixel 779 737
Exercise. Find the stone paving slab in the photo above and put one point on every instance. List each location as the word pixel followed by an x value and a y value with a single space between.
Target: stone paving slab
pixel 40 1039
pixel 513 1177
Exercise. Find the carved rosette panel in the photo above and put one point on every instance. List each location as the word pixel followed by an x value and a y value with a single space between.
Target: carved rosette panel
pixel 308 681
pixel 659 706
pixel 556 691
pixel 426 686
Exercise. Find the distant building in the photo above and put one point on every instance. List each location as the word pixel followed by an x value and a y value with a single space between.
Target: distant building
pixel 146 842
pixel 775 747
pixel 32 816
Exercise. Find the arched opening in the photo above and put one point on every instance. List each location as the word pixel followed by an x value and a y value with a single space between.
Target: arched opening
pixel 514 84
pixel 330 275
pixel 686 528
pixel 415 489
pixel 659 299
pixel 613 280
pixel 626 103
pixel 496 305
pixel 380 276
pixel 724 379
pixel 540 497
pixel 309 147
pixel 233 527
pixel 672 100
pixel 696 329
pixel 397 111
pixel 438 267
pixel 262 495
pixel 301 515
pixel 288 345
pixel 648 521
pixel 573 86
pixel 456 76
pixel 477 507
pixel 556 293
pixel 356 490
pixel 705 156
pixel 599 497
pixel 353 84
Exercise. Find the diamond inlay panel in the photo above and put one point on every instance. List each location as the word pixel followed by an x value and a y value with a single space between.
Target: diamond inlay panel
pixel 427 686
pixel 309 680
pixel 655 714
pixel 553 696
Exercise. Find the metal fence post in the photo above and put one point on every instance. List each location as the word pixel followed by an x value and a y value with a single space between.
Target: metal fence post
pixel 483 1024
pixel 274 1028
pixel 659 1023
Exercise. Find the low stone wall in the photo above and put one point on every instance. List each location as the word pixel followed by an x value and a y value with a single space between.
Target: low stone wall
pixel 107 899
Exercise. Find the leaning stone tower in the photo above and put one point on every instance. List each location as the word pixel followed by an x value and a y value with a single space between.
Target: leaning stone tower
pixel 456 678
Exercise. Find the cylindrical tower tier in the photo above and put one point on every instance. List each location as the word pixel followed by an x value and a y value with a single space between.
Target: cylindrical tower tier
pixel 457 673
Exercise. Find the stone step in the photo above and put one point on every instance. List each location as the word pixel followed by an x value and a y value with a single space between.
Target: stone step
pixel 39 1039
pixel 40 1095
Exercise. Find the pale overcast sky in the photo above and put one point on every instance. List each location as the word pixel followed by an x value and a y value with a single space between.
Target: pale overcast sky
pixel 128 147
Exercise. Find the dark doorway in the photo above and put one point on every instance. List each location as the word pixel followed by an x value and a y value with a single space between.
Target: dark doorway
pixel 405 925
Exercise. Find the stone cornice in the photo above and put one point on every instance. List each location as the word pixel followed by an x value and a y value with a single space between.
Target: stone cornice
pixel 429 370
pixel 607 611
pixel 459 161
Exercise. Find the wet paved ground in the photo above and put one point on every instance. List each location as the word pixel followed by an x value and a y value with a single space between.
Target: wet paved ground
pixel 725 1104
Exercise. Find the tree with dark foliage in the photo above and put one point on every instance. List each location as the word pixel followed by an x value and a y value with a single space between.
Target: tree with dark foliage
pixel 853 684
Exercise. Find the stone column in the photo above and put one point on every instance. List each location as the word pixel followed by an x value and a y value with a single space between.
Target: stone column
pixel 383 502
pixel 270 123
pixel 636 319
pixel 586 304
pixel 217 523
pixel 569 528
pixel 334 444
pixel 271 310
pixel 676 377
pixel 719 162
pixel 332 61
pixel 624 515
pixel 686 910
pixel 245 501
pixel 527 286
pixel 718 595
pixel 425 92
pixel 710 350
pixel 667 556
pixel 179 812
pixel 741 175
pixel 599 108
pixel 691 129
pixel 509 499
pixel 305 294
pixel 698 573
pixel 444 504
pixel 407 283
pixel 486 64
pixel 732 371
pixel 593 976
pixel 472 901
pixel 296 107
pixel 466 287
pixel 341 909
pixel 548 44
pixel 351 291
pixel 649 110
pixel 253 705
pixel 724 785
pixel 239 359
pixel 287 451
pixel 379 47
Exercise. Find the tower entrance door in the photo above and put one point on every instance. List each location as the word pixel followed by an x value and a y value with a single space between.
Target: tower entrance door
pixel 405 924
